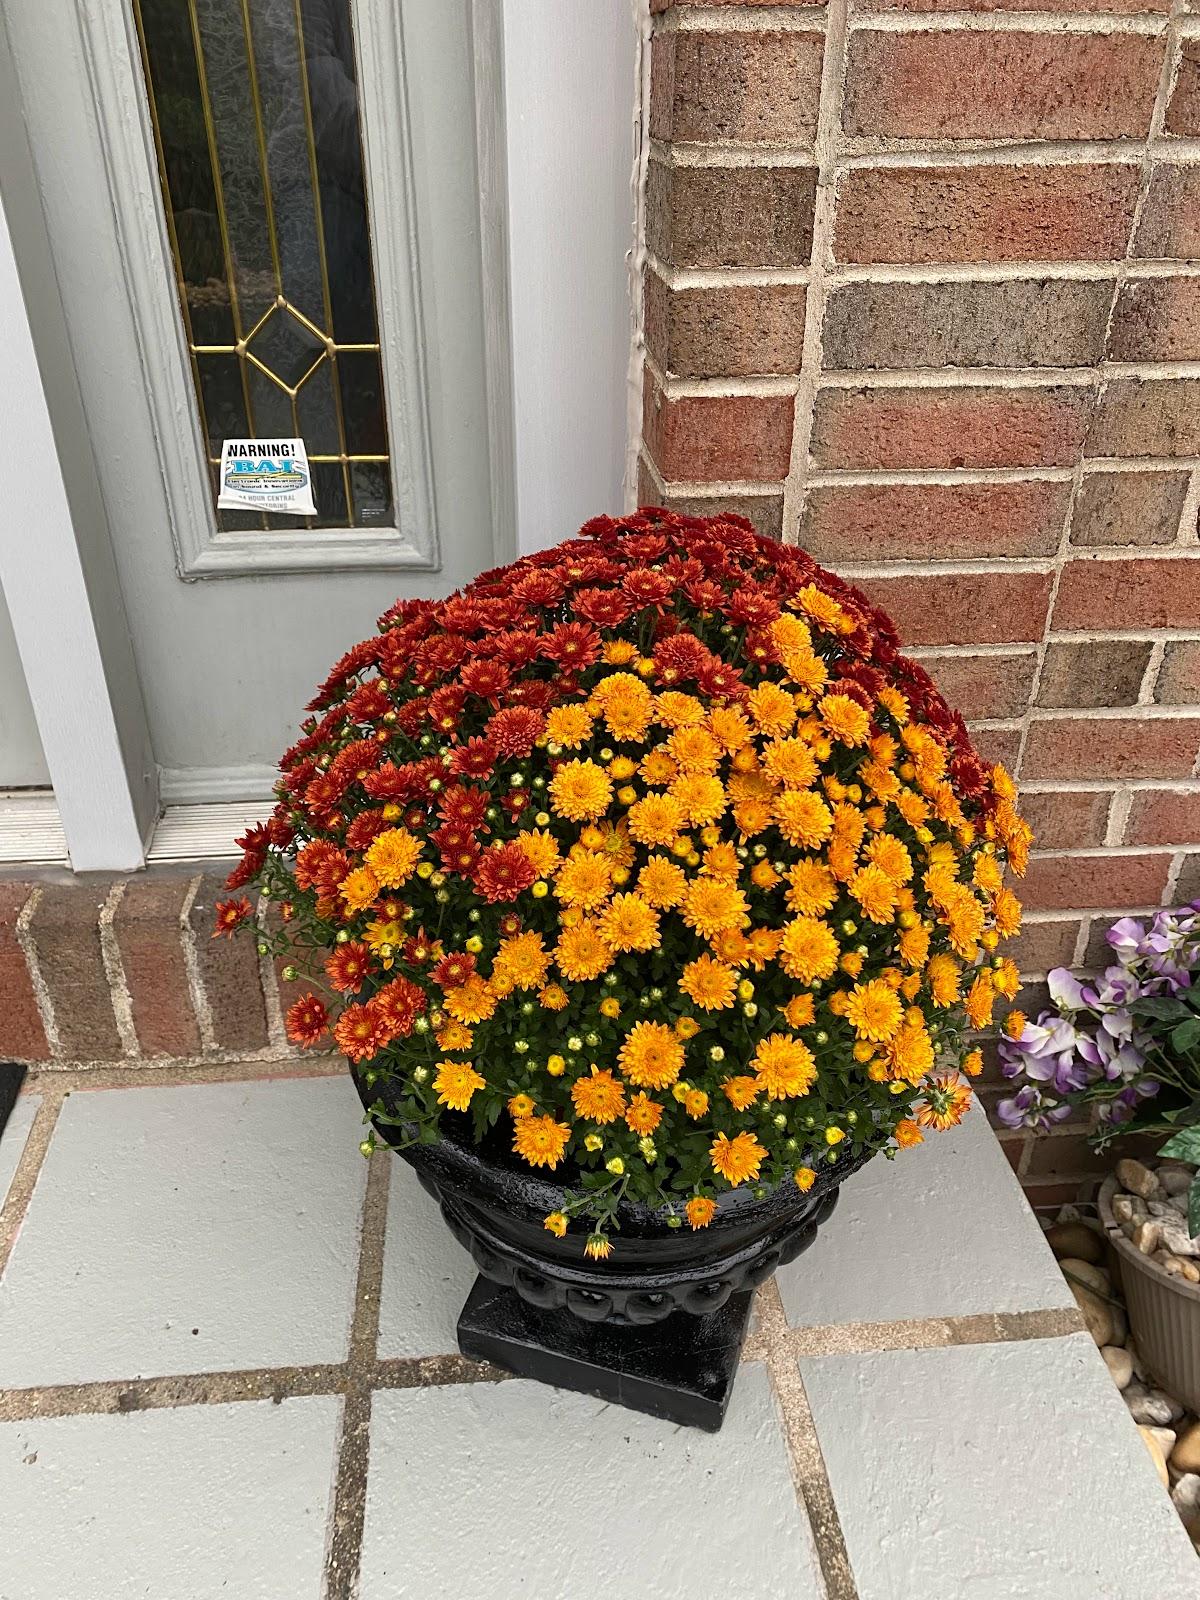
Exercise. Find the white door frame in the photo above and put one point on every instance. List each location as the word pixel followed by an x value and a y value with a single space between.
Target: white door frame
pixel 62 590
pixel 59 577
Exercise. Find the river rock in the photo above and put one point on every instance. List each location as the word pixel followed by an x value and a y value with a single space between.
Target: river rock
pixel 1148 1235
pixel 1148 1409
pixel 1075 1240
pixel 1096 1314
pixel 1175 1178
pixel 1169 1263
pixel 1186 1493
pixel 1163 1208
pixel 1134 1178
pixel 1084 1272
pixel 1174 1406
pixel 1119 1364
pixel 1165 1439
pixel 1128 1209
pixel 1186 1454
pixel 1175 1239
pixel 1156 1455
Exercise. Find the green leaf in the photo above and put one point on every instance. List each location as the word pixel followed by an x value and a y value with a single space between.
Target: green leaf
pixel 1194 1208
pixel 1159 1006
pixel 1183 1146
pixel 1186 1036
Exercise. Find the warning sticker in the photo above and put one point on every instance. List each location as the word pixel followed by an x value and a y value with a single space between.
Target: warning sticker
pixel 266 475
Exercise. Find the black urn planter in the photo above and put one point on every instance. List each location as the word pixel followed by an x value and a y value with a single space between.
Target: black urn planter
pixel 659 1326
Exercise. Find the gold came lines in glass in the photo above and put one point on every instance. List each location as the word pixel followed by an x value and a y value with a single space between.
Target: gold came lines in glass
pixel 255 116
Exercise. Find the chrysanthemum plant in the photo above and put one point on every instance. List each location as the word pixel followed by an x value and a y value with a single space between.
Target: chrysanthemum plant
pixel 653 855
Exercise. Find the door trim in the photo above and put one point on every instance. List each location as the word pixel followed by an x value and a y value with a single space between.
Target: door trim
pixel 112 57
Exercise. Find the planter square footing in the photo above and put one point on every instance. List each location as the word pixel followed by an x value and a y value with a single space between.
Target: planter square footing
pixel 681 1369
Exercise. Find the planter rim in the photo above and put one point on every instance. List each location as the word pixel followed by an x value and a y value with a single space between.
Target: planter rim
pixel 526 1193
pixel 1128 1251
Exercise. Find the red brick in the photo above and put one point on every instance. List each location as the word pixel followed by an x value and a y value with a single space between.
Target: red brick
pixel 1062 883
pixel 1042 946
pixel 1164 816
pixel 665 5
pixel 66 935
pixel 950 427
pixel 985 213
pixel 1027 322
pixel 1169 225
pixel 1094 672
pixel 147 928
pixel 738 331
pixel 997 744
pixel 1147 417
pixel 970 84
pixel 1067 819
pixel 1141 592
pixel 1187 885
pixel 229 973
pixel 734 87
pixel 984 686
pixel 730 216
pixel 1156 319
pixel 934 522
pixel 1128 508
pixel 1111 747
pixel 1179 676
pixel 1183 113
pixel 1067 1155
pixel 965 608
pixel 765 511
pixel 22 1037
pixel 1118 6
pixel 711 438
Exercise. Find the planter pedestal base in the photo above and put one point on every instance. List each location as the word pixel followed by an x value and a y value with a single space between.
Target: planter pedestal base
pixel 681 1369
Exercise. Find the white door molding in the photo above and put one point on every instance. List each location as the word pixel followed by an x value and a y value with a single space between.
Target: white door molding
pixel 60 590
pixel 112 55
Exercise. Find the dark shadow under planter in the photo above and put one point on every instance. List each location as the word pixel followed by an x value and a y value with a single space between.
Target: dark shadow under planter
pixel 659 1326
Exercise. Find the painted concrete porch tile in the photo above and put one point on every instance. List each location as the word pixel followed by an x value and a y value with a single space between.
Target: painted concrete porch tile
pixel 188 1229
pixel 426 1273
pixel 994 1470
pixel 943 1230
pixel 205 1502
pixel 557 1495
pixel 12 1140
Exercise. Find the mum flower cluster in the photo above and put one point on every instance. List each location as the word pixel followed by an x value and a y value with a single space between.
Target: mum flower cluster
pixel 653 856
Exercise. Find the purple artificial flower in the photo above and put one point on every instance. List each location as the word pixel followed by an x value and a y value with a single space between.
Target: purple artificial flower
pixel 1029 1109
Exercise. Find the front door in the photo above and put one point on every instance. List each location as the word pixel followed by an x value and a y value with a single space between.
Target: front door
pixel 264 217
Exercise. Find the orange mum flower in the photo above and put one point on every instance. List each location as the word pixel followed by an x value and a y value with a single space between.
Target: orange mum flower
pixel 642 1114
pixel 710 984
pixel 393 856
pixel 784 1066
pixel 650 1056
pixel 700 1210
pixel 540 1140
pixel 738 1158
pixel 456 1082
pixel 599 1097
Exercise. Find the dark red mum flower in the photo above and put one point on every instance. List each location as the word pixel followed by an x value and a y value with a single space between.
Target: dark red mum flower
pixel 348 965
pixel 475 759
pixel 307 1020
pixel 230 915
pixel 503 872
pixel 515 730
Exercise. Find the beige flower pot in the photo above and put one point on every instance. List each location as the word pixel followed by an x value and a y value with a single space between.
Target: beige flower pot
pixel 1164 1311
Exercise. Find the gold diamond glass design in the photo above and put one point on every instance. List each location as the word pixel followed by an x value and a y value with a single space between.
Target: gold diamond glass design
pixel 254 107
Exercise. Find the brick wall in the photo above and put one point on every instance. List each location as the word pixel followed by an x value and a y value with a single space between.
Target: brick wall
pixel 101 971
pixel 917 293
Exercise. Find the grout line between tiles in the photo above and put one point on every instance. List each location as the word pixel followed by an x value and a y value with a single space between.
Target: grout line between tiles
pixel 231 1068
pixel 932 1333
pixel 354 1446
pixel 24 1179
pixel 809 1473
